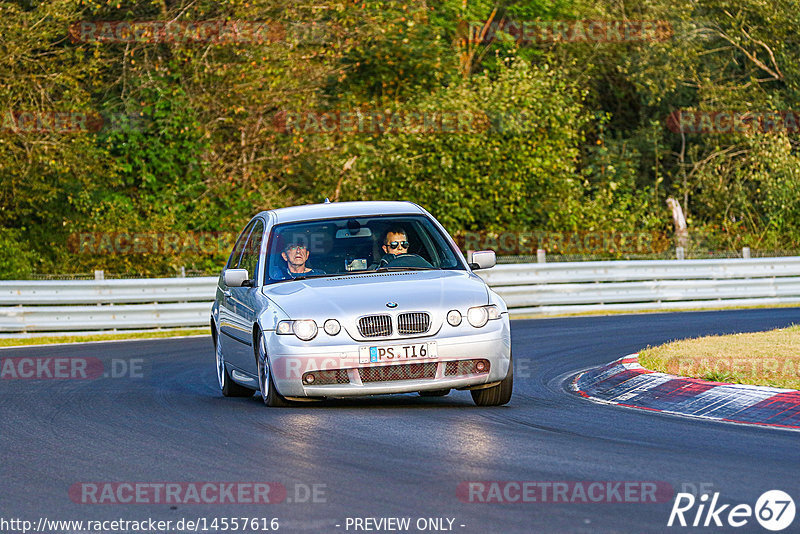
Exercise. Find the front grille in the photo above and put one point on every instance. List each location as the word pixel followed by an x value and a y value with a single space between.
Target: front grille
pixel 413 323
pixel 375 326
pixel 388 373
pixel 465 367
pixel 324 378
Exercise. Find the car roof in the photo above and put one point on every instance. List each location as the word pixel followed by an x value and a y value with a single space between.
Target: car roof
pixel 342 209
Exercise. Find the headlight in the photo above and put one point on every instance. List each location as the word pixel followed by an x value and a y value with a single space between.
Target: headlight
pixel 332 327
pixel 480 315
pixel 305 329
pixel 454 317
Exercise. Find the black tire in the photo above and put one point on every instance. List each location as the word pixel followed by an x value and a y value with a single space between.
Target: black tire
pixel 434 393
pixel 227 386
pixel 265 383
pixel 496 395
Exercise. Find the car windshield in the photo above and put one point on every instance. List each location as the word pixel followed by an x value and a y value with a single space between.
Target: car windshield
pixel 357 245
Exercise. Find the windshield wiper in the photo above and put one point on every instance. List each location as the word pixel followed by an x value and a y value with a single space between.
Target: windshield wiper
pixel 304 276
pixel 351 273
pixel 390 268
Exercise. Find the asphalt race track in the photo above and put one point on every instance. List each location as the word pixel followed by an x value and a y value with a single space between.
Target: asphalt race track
pixel 398 456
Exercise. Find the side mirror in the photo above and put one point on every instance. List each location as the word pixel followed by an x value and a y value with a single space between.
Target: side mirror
pixel 236 277
pixel 483 259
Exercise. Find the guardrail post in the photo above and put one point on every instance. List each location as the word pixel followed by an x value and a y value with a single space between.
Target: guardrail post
pixel 679 253
pixel 183 272
pixel 540 256
pixel 99 275
pixel 746 253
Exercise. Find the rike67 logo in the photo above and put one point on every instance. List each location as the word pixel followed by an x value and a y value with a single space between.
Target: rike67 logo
pixel 774 510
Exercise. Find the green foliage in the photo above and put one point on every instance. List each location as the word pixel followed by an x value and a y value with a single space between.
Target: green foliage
pixel 513 167
pixel 16 259
pixel 566 136
pixel 614 200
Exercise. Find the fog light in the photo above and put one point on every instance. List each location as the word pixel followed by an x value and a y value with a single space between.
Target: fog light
pixel 480 366
pixel 310 378
pixel 454 317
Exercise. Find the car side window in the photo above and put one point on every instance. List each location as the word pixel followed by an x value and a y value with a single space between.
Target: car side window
pixel 233 261
pixel 252 250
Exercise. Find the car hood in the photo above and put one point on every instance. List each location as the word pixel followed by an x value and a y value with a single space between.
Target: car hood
pixel 348 297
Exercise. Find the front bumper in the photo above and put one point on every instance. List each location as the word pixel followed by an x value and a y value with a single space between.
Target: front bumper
pixel 290 359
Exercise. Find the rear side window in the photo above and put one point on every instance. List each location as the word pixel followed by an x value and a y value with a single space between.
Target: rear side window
pixel 252 250
pixel 233 261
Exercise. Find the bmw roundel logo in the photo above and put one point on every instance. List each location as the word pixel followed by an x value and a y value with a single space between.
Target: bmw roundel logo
pixel 391 304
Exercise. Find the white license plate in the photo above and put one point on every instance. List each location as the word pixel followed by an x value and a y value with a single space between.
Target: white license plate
pixel 411 351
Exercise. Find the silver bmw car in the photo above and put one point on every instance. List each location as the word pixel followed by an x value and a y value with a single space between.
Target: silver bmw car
pixel 349 299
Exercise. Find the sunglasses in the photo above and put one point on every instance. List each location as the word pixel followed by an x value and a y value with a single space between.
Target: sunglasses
pixel 295 247
pixel 394 244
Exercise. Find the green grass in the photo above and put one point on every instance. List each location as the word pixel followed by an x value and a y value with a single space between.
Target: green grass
pixel 157 334
pixel 761 358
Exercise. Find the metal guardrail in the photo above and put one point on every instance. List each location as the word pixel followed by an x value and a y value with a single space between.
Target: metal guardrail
pixel 64 292
pixel 85 305
pixel 528 289
pixel 558 288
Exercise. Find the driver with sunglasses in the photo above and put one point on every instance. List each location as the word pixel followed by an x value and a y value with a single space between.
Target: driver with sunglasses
pixel 395 244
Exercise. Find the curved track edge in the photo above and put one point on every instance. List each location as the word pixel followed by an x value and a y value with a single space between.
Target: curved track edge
pixel 624 382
